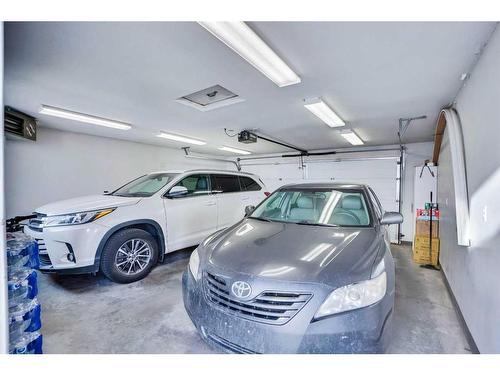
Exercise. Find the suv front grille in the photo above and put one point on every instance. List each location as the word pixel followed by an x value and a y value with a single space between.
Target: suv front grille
pixel 270 307
pixel 41 245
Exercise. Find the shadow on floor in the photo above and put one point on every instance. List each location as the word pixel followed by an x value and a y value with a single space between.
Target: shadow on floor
pixel 77 283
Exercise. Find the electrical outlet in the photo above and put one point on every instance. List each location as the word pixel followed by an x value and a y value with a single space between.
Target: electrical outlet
pixel 485 214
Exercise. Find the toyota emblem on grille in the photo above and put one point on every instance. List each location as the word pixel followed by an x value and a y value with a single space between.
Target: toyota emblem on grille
pixel 241 289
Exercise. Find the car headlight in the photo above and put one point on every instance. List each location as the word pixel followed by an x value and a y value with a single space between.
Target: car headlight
pixel 75 218
pixel 354 296
pixel 194 264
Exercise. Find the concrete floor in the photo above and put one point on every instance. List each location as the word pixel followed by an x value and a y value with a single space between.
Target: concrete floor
pixel 90 314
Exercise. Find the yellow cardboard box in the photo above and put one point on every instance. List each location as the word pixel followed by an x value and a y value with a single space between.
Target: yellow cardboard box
pixel 423 228
pixel 421 249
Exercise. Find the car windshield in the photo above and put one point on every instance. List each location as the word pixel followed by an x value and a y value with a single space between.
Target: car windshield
pixel 320 207
pixel 145 186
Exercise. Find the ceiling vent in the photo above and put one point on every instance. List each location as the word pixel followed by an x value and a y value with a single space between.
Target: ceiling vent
pixel 19 124
pixel 210 98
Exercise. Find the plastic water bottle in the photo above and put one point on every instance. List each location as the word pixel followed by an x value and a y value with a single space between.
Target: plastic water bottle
pixel 23 318
pixel 22 251
pixel 22 285
pixel 28 343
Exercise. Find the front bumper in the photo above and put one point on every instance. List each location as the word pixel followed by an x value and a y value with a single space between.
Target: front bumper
pixel 68 249
pixel 366 330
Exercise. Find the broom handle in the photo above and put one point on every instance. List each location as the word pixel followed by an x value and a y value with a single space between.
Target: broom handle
pixel 430 231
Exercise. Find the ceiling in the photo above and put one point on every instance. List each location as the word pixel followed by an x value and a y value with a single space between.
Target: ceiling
pixel 370 73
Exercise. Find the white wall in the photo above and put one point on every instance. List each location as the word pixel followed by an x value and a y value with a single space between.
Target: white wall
pixel 62 165
pixel 473 272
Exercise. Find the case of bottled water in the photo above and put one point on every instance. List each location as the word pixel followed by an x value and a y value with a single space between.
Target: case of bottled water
pixel 24 308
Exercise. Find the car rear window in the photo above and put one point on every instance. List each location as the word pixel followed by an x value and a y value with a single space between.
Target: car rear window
pixel 249 184
pixel 225 183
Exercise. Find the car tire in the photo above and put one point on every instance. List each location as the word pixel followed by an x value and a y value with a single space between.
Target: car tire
pixel 129 255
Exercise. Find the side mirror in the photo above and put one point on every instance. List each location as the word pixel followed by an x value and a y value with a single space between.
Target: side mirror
pixel 391 218
pixel 249 210
pixel 106 191
pixel 177 191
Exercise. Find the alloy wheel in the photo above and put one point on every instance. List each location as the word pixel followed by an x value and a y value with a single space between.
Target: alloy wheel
pixel 133 256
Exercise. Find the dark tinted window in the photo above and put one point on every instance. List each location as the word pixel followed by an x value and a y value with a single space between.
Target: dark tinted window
pixel 249 184
pixel 225 183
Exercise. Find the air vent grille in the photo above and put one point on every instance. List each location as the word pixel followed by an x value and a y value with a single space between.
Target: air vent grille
pixel 210 98
pixel 19 124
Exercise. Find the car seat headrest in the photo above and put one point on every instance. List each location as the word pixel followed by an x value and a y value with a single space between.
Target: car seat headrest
pixel 201 184
pixel 304 202
pixel 352 202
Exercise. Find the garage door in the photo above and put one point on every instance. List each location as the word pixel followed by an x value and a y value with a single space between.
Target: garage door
pixel 276 175
pixel 380 174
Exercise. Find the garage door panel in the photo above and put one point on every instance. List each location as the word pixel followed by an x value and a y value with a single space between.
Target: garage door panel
pixel 371 169
pixel 379 174
pixel 275 176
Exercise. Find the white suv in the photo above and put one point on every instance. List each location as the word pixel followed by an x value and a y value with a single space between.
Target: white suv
pixel 125 233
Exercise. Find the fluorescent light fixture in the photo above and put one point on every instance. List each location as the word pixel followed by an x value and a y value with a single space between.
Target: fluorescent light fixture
pixel 82 117
pixel 246 43
pixel 235 150
pixel 180 138
pixel 352 138
pixel 320 109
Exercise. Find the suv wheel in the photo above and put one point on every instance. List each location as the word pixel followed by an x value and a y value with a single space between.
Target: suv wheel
pixel 129 255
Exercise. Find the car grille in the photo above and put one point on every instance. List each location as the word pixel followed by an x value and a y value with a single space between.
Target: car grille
pixel 229 346
pixel 43 254
pixel 272 307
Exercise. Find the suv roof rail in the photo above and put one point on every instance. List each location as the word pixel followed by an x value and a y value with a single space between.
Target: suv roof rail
pixel 219 171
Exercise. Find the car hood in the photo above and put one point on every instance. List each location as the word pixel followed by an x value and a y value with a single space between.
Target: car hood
pixel 303 253
pixel 86 203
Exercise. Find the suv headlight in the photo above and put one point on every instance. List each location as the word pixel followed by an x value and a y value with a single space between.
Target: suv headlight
pixel 75 218
pixel 194 264
pixel 354 296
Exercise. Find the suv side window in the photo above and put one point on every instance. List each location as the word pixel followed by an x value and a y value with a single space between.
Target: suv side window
pixel 225 183
pixel 249 184
pixel 375 203
pixel 196 184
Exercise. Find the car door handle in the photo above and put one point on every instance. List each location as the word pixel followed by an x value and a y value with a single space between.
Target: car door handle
pixel 245 198
pixel 212 203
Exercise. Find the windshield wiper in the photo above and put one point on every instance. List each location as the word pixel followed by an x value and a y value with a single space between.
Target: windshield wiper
pixel 261 219
pixel 133 195
pixel 305 222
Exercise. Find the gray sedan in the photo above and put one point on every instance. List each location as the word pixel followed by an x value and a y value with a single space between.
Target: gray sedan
pixel 309 270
